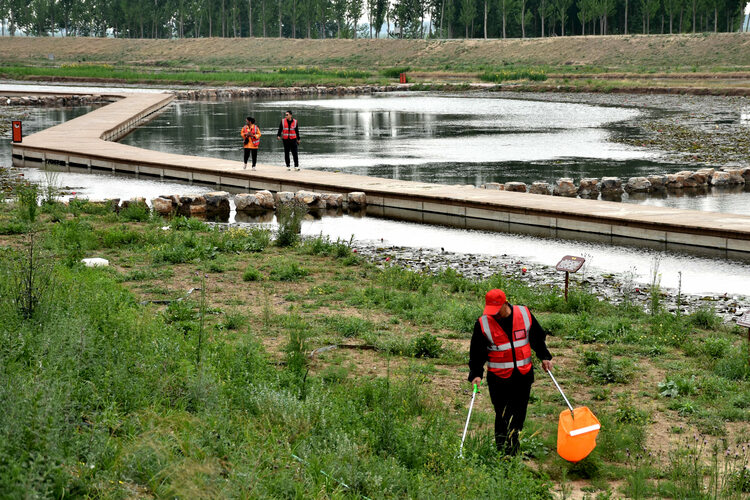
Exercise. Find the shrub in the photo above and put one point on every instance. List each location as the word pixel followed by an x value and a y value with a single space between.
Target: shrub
pixel 135 212
pixel 181 223
pixel 733 365
pixel 350 326
pixel 705 318
pixel 394 72
pixel 289 216
pixel 715 347
pixel 252 274
pixel 233 320
pixel 428 346
pixel 28 195
pixel 287 271
pixel 608 371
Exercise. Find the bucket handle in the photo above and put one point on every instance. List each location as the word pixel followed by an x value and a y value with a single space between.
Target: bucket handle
pixel 562 394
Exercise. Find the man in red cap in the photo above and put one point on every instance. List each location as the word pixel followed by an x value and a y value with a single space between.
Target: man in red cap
pixel 503 338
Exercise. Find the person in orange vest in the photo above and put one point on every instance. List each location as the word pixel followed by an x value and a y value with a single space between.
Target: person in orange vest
pixel 503 339
pixel 251 135
pixel 289 135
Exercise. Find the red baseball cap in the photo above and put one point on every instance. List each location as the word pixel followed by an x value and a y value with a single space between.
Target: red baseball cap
pixel 494 301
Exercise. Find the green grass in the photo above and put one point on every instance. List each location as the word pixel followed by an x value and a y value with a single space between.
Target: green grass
pixel 280 77
pixel 102 393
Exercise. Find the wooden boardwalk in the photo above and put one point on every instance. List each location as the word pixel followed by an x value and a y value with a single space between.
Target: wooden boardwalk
pixel 87 142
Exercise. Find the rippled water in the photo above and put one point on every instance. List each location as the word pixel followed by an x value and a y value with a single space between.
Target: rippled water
pixel 452 139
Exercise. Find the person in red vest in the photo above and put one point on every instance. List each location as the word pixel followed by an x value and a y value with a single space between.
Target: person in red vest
pixel 251 135
pixel 503 339
pixel 289 135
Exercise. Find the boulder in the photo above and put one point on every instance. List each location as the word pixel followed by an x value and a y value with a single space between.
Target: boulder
pixel 113 203
pixel 735 176
pixel 265 199
pixel 162 206
pixel 191 204
pixel 675 181
pixel 720 178
pixel 638 185
pixel 588 188
pixel 332 200
pixel 565 187
pixel 746 174
pixel 696 179
pixel 247 202
pixel 356 199
pixel 283 197
pixel 708 172
pixel 515 187
pixel 611 186
pixel 308 198
pixel 494 185
pixel 658 182
pixel 217 204
pixel 540 187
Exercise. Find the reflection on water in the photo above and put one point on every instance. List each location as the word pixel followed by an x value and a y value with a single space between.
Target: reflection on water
pixel 426 137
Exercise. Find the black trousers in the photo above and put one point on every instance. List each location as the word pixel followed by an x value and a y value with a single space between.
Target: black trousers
pixel 291 145
pixel 510 397
pixel 253 152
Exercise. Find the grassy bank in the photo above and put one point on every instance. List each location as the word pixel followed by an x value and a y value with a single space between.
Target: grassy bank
pixel 691 59
pixel 121 381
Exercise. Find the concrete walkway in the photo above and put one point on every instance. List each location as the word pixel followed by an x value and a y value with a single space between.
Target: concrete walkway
pixel 86 142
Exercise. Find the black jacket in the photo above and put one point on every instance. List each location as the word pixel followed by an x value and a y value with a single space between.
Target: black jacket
pixel 478 353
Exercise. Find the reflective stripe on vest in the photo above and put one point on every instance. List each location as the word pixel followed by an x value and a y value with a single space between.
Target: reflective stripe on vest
pixel 289 130
pixel 508 354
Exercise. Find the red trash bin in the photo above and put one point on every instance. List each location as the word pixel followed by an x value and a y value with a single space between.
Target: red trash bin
pixel 17 131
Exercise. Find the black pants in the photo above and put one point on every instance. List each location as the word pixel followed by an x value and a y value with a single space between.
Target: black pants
pixel 510 397
pixel 248 152
pixel 291 145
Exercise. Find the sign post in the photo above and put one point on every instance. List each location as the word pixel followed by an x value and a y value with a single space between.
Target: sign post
pixel 569 264
pixel 17 131
pixel 745 321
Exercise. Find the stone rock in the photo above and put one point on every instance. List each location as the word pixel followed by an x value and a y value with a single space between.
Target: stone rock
pixel 708 172
pixel 588 188
pixel 565 187
pixel 247 202
pixel 746 174
pixel 265 199
pixel 494 185
pixel 307 198
pixel 162 206
pixel 356 199
pixel 611 186
pixel 332 200
pixel 217 204
pixel 638 185
pixel 192 204
pixel 283 197
pixel 675 181
pixel 735 176
pixel 720 178
pixel 696 179
pixel 539 187
pixel 95 262
pixel 113 203
pixel 515 187
pixel 658 182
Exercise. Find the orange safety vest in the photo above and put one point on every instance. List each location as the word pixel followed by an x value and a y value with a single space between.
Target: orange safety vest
pixel 503 354
pixel 289 131
pixel 254 133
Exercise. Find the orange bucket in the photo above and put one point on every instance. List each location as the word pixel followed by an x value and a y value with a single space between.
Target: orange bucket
pixel 576 434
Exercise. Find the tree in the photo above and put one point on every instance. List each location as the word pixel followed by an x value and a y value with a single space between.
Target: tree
pixel 561 9
pixel 648 11
pixel 355 12
pixel 468 13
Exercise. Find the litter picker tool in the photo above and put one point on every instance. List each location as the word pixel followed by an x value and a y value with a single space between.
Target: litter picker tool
pixel 466 427
pixel 576 430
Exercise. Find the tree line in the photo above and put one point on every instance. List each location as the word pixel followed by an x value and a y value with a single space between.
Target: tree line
pixel 365 18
